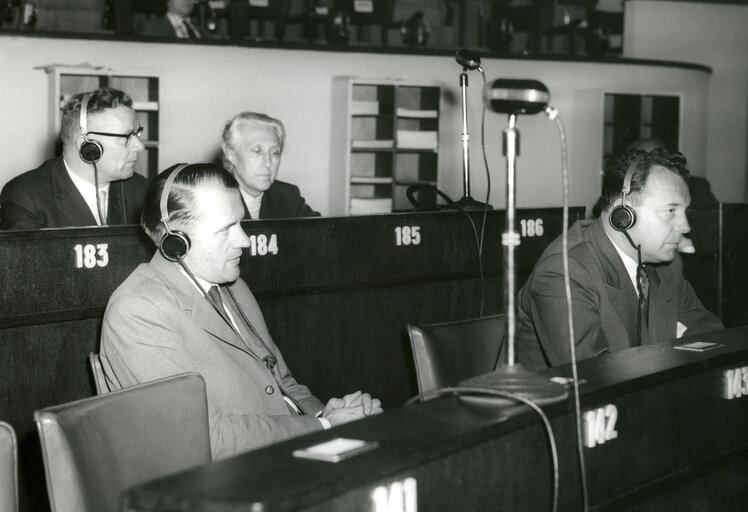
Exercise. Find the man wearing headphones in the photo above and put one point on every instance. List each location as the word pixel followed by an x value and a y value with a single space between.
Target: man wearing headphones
pixel 93 182
pixel 188 310
pixel 626 277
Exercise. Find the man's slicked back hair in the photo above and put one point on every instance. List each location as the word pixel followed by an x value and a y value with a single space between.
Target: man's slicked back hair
pixel 616 166
pixel 181 204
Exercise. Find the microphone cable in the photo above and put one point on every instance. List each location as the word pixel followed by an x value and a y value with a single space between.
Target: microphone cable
pixel 485 162
pixel 554 116
pixel 480 237
pixel 479 252
pixel 476 391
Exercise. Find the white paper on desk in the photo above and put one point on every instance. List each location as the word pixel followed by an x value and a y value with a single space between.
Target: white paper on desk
pixel 336 449
pixel 680 330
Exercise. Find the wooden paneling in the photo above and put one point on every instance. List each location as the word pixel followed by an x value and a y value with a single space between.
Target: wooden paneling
pixel 676 435
pixel 337 297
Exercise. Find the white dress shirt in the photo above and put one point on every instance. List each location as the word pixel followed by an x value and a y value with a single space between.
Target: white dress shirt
pixel 88 191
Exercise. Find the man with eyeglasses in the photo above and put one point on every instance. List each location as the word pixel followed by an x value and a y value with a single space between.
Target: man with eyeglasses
pixel 93 182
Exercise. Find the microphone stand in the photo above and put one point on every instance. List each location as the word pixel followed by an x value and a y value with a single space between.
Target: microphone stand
pixel 466 202
pixel 512 376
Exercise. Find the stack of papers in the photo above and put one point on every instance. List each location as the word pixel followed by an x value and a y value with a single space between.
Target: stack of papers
pixel 371 180
pixel 420 114
pixel 414 139
pixel 361 206
pixel 372 144
pixel 364 108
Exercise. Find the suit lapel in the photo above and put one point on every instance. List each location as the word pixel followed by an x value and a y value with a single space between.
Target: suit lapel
pixel 620 289
pixel 194 303
pixel 69 202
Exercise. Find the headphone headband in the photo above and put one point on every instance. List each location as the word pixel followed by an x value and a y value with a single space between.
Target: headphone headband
pixel 90 150
pixel 623 216
pixel 629 176
pixel 174 244
pixel 82 121
pixel 165 195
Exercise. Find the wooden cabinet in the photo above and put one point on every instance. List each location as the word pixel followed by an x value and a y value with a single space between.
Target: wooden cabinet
pixel 385 139
pixel 66 81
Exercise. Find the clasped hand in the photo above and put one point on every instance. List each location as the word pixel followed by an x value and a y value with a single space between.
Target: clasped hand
pixel 351 407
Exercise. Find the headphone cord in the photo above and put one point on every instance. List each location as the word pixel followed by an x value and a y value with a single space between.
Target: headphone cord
pixel 99 208
pixel 554 116
pixel 122 201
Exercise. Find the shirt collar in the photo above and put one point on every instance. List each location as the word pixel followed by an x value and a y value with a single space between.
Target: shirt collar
pixel 175 19
pixel 253 204
pixel 204 285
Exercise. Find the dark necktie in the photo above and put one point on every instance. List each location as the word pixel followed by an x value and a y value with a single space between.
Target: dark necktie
pixel 115 215
pixel 642 282
pixel 214 297
pixel 191 34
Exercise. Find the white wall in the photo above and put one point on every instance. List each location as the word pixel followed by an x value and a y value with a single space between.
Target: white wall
pixel 204 85
pixel 716 35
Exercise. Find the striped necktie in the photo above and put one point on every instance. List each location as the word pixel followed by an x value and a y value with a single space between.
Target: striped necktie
pixel 250 335
pixel 642 282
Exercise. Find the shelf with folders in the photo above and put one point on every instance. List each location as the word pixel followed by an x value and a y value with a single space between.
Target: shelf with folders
pixel 389 133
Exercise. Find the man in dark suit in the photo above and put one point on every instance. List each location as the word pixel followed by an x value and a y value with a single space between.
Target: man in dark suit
pixel 188 310
pixel 626 277
pixel 175 22
pixel 93 182
pixel 252 147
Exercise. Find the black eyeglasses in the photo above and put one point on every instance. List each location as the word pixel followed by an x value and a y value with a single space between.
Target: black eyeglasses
pixel 127 136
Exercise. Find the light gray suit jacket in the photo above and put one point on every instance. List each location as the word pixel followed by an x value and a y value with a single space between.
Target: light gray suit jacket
pixel 158 324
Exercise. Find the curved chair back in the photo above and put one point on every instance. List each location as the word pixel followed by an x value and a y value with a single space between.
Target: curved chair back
pixel 96 448
pixel 98 373
pixel 8 468
pixel 450 352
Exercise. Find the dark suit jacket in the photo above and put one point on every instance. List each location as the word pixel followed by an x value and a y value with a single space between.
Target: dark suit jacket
pixel 158 324
pixel 604 302
pixel 283 201
pixel 47 198
pixel 157 27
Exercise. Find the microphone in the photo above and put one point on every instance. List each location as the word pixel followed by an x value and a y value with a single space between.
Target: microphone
pixel 468 59
pixel 516 96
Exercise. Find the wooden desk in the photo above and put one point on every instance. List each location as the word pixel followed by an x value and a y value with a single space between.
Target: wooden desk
pixel 680 444
pixel 336 289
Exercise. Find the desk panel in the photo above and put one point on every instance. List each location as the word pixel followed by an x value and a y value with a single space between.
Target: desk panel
pixel 334 290
pixel 735 264
pixel 676 435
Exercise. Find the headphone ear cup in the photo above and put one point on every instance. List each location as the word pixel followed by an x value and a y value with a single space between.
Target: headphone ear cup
pixel 174 245
pixel 91 151
pixel 622 217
